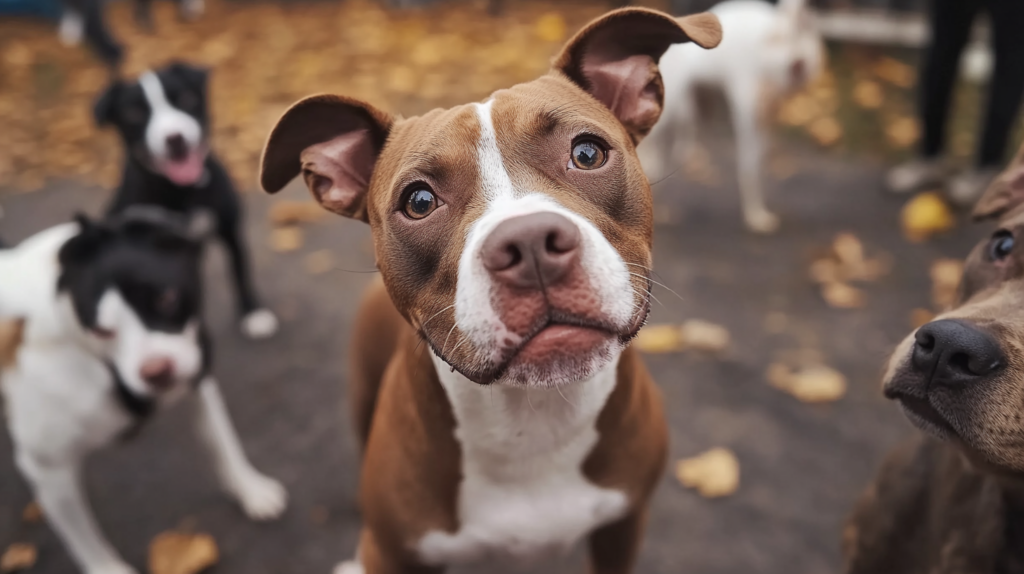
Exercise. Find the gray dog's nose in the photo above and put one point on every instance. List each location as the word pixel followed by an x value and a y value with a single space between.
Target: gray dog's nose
pixel 532 251
pixel 953 352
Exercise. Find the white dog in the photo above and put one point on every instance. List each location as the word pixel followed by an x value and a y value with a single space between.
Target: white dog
pixel 112 334
pixel 766 52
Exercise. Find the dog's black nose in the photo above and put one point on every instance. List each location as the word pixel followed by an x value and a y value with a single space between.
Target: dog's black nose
pixel 532 251
pixel 177 149
pixel 953 352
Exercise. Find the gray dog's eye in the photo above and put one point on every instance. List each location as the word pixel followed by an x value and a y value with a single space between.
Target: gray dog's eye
pixel 1001 245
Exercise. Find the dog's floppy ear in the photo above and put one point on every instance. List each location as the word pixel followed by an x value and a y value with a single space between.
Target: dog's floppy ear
pixel 334 143
pixel 103 109
pixel 615 59
pixel 194 76
pixel 1005 193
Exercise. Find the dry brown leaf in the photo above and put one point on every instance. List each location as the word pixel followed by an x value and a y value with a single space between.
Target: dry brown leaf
pixel 713 474
pixel 799 110
pixel 919 317
pixel 868 94
pixel 925 215
pixel 902 132
pixel 842 296
pixel 660 339
pixel 699 166
pixel 32 513
pixel 550 27
pixel 812 384
pixel 182 553
pixel 827 131
pixel 895 72
pixel 704 336
pixel 286 239
pixel 319 262
pixel 945 275
pixel 284 213
pixel 18 556
pixel 10 340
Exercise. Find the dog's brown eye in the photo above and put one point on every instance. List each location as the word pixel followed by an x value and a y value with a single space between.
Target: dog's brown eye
pixel 134 115
pixel 188 101
pixel 421 203
pixel 588 155
pixel 1001 245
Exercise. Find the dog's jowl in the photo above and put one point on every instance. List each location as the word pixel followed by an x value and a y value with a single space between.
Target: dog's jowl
pixel 111 333
pixel 502 414
pixel 163 119
pixel 953 499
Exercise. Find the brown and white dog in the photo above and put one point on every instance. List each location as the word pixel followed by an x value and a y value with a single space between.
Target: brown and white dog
pixel 501 412
pixel 952 501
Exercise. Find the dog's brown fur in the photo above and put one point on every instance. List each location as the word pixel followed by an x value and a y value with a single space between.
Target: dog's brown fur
pixel 957 505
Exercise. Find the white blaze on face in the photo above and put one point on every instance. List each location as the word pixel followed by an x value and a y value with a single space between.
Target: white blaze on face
pixel 133 344
pixel 167 121
pixel 474 310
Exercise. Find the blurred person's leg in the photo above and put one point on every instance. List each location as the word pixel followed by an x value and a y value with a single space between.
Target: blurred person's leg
pixel 1005 90
pixel 950 23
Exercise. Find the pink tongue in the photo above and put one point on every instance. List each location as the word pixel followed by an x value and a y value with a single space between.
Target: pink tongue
pixel 186 171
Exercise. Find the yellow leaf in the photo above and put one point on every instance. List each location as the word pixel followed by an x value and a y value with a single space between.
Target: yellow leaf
pixel 659 339
pixel 182 553
pixel 32 513
pixel 813 384
pixel 926 215
pixel 945 275
pixel 826 131
pixel 285 239
pixel 319 262
pixel 842 296
pixel 713 474
pixel 895 72
pixel 18 556
pixel 799 110
pixel 868 94
pixel 704 336
pixel 903 132
pixel 284 213
pixel 919 317
pixel 550 27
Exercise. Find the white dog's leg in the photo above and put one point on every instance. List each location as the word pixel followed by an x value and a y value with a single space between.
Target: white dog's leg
pixel 58 489
pixel 72 27
pixel 675 134
pixel 262 497
pixel 744 101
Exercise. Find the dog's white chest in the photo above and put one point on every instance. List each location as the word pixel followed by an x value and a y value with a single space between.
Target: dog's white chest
pixel 523 493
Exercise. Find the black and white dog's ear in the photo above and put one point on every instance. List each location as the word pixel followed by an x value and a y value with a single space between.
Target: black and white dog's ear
pixel 194 76
pixel 103 109
pixel 82 247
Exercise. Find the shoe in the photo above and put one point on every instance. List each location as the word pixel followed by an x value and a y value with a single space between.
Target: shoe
pixel 966 188
pixel 915 175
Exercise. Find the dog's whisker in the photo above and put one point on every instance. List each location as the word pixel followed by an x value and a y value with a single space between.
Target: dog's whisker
pixel 450 331
pixel 434 316
pixel 659 284
pixel 570 403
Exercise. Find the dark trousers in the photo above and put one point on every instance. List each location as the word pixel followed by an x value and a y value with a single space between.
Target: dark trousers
pixel 951 22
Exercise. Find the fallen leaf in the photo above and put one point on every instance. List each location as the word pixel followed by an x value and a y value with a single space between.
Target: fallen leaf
pixel 659 339
pixel 182 553
pixel 925 215
pixel 319 262
pixel 868 94
pixel 285 239
pixel 842 296
pixel 827 131
pixel 713 474
pixel 704 336
pixel 903 132
pixel 799 110
pixel 894 71
pixel 284 213
pixel 10 340
pixel 18 556
pixel 699 166
pixel 945 275
pixel 32 513
pixel 550 27
pixel 919 317
pixel 811 384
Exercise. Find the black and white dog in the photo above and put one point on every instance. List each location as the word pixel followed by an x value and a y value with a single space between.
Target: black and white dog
pixel 86 19
pixel 112 334
pixel 164 122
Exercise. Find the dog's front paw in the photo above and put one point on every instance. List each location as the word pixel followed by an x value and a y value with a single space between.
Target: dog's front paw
pixel 261 497
pixel 763 222
pixel 111 568
pixel 349 567
pixel 260 324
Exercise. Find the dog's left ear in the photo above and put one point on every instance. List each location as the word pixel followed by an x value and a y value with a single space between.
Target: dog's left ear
pixel 1005 193
pixel 615 59
pixel 194 76
pixel 103 109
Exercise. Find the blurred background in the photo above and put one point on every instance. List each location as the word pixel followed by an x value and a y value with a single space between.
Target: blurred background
pixel 783 372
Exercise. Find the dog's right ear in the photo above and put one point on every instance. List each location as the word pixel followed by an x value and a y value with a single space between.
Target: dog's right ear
pixel 81 248
pixel 334 142
pixel 1005 193
pixel 103 110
